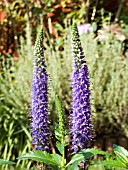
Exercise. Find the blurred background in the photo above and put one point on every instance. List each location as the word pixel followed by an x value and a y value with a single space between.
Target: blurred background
pixel 103 28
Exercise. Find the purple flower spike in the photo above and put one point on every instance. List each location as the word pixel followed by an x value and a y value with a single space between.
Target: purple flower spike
pixel 81 126
pixel 40 122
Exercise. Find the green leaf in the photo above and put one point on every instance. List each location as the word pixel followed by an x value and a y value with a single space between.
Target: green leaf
pixel 74 166
pixel 122 158
pixel 60 147
pixel 39 156
pixel 112 163
pixel 95 151
pixel 60 128
pixel 87 154
pixel 3 162
pixel 120 149
pixel 57 158
pixel 58 135
pixel 79 158
pixel 121 154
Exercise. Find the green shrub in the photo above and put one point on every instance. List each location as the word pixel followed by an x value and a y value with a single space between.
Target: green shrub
pixel 109 72
pixel 15 88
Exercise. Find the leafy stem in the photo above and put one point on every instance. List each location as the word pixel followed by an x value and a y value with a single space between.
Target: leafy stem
pixel 61 132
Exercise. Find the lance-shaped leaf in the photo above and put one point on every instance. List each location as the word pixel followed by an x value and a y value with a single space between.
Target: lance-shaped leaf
pixel 57 158
pixel 60 147
pixel 87 154
pixel 39 156
pixel 95 151
pixel 121 155
pixel 74 166
pixel 60 131
pixel 120 149
pixel 79 157
pixel 6 162
pixel 112 163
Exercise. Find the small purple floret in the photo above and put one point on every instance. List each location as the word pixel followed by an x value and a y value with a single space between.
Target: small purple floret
pixel 40 121
pixel 81 126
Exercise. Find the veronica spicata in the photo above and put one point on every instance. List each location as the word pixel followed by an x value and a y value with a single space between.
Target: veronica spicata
pixel 81 126
pixel 40 122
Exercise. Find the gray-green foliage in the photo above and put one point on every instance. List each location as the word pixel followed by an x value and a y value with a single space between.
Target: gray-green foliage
pixel 15 88
pixel 59 64
pixel 109 71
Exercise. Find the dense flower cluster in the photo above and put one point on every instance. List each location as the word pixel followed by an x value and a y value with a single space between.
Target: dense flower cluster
pixel 40 122
pixel 81 126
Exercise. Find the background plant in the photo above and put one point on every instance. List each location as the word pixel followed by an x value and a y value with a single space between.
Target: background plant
pixel 115 160
pixel 14 105
pixel 108 69
pixel 16 14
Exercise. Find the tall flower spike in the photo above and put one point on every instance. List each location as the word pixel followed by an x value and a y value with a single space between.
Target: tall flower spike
pixel 81 126
pixel 40 122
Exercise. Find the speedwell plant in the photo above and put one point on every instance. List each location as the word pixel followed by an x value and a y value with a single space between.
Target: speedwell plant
pixel 80 126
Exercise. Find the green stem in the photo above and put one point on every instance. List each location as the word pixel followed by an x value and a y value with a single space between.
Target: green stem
pixel 63 156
